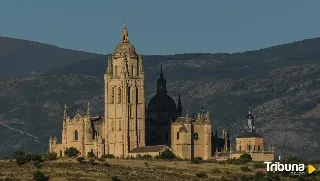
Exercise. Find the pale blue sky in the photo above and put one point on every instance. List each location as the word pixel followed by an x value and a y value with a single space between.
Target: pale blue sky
pixel 161 27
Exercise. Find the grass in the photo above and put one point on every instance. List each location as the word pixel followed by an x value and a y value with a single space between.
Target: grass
pixel 156 170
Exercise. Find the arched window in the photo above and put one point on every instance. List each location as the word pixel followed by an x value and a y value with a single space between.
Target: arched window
pixel 112 95
pixel 240 148
pixel 259 147
pixel 177 135
pixel 250 147
pixel 119 95
pixel 75 135
pixel 254 147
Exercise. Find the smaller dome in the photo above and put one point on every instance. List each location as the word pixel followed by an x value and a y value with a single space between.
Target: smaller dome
pixel 162 103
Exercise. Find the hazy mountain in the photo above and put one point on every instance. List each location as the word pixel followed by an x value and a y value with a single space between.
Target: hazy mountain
pixel 282 83
pixel 22 57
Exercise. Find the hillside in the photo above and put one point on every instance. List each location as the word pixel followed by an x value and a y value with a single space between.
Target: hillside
pixel 282 83
pixel 21 57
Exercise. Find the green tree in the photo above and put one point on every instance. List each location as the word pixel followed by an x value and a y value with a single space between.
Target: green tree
pixel 40 176
pixel 168 155
pixel 71 152
pixel 20 157
pixel 246 157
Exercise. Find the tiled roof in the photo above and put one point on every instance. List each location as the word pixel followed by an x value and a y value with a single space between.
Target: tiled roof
pixel 144 149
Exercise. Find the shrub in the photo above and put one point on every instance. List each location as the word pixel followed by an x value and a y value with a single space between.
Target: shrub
pixel 115 178
pixel 201 175
pixel 147 157
pixel 146 164
pixel 91 154
pixel 71 152
pixel 168 155
pixel 80 159
pixel 34 157
pixel 40 176
pixel 18 154
pixel 92 161
pixel 196 160
pixel 37 164
pixel 50 156
pixel 245 169
pixel 108 156
pixel 245 157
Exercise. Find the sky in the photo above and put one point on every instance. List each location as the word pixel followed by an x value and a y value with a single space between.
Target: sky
pixel 161 27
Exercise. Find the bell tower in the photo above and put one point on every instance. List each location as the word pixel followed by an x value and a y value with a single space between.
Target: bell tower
pixel 124 99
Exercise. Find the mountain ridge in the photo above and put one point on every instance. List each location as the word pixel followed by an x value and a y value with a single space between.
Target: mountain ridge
pixel 282 84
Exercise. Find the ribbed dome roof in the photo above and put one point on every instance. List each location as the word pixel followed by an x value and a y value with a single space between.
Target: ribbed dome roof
pixel 125 48
pixel 162 102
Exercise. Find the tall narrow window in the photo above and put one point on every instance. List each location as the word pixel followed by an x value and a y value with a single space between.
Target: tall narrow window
pixel 258 147
pixel 115 71
pixel 137 95
pixel 119 95
pixel 132 70
pixel 119 125
pixel 177 135
pixel 129 96
pixel 75 135
pixel 240 148
pixel 254 147
pixel 112 95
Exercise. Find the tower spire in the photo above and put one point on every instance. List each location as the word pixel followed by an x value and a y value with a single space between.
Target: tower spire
pixel 88 109
pixel 65 114
pixel 161 73
pixel 249 107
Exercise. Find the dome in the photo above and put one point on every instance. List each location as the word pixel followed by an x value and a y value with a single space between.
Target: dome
pixel 125 48
pixel 162 102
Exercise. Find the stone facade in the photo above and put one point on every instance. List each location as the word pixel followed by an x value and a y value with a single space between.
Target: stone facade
pixel 249 142
pixel 82 132
pixel 192 137
pixel 123 126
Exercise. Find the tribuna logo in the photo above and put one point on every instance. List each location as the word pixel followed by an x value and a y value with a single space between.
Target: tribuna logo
pixel 279 167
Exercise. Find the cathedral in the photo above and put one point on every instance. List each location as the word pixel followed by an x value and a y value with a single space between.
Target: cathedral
pixel 129 127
